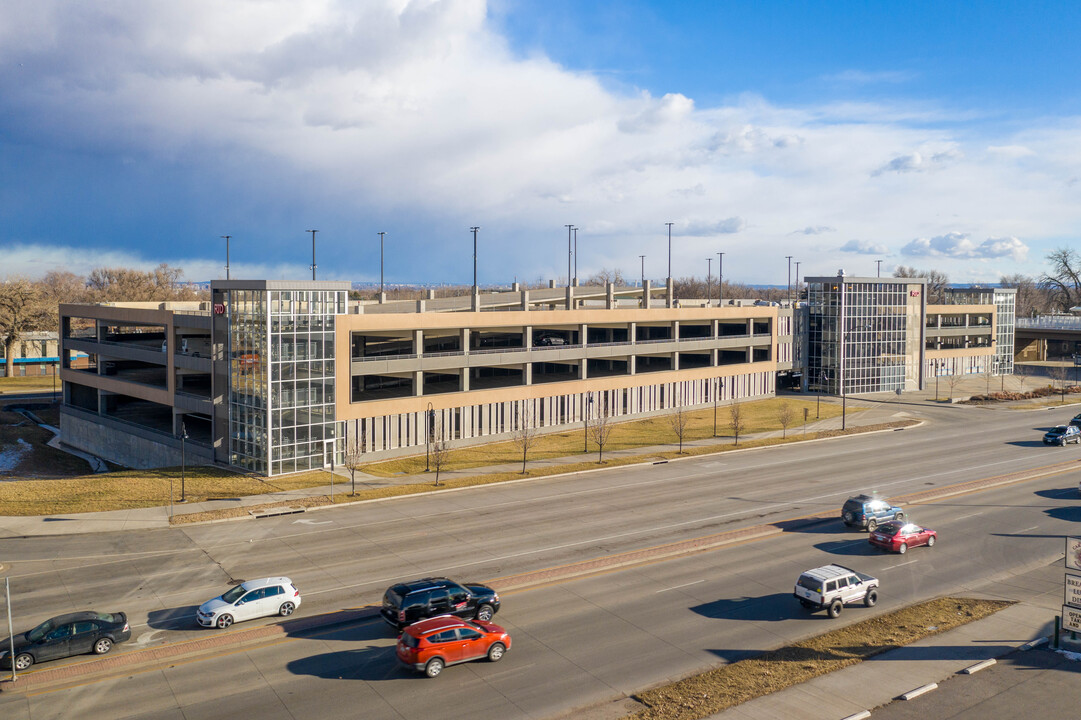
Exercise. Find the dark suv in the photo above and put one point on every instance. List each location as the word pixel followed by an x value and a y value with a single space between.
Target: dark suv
pixel 864 511
pixel 408 602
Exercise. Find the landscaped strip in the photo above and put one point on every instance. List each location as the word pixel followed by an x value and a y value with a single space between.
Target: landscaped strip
pixel 711 692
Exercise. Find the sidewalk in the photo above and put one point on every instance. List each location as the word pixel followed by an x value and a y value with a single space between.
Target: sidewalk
pixel 849 692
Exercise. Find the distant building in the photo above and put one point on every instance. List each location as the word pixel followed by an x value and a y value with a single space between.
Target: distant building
pixel 36 353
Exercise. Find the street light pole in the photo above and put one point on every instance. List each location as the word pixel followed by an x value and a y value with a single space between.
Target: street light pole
pixel 879 267
pixel 576 257
pixel 709 280
pixel 474 229
pixel 716 394
pixel 587 402
pixel 381 234
pixel 844 339
pixel 570 254
pixel 669 250
pixel 313 232
pixel 643 259
pixel 428 435
pixel 789 258
pixel 226 238
pixel 797 278
pixel 183 459
pixel 720 277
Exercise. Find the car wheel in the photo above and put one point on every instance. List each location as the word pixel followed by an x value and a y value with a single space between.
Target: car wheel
pixel 899 516
pixel 872 525
pixel 495 652
pixel 102 646
pixel 484 612
pixel 835 608
pixel 931 541
pixel 870 598
pixel 23 661
pixel 847 518
pixel 434 667
pixel 286 609
pixel 903 548
pixel 224 621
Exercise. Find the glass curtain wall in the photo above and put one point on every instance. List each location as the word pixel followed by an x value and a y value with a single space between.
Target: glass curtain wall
pixel 1005 312
pixel 248 380
pixel 862 324
pixel 304 434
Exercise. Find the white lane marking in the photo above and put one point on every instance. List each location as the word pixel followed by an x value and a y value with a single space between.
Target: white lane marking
pixel 891 567
pixel 1034 527
pixel 677 587
pixel 963 517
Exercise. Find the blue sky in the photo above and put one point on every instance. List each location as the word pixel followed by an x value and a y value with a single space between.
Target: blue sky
pixel 937 135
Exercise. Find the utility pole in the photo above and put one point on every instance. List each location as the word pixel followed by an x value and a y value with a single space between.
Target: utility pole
pixel 381 234
pixel 313 232
pixel 879 264
pixel 643 259
pixel 709 280
pixel 474 229
pixel 797 278
pixel 226 238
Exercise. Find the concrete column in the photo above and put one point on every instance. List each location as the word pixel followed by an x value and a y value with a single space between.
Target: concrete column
pixel 420 306
pixel 610 299
pixel 714 328
pixel 750 326
pixel 516 287
pixel 463 379
pixel 583 370
pixel 476 299
pixel 647 288
pixel 670 293
pixel 465 340
pixel 570 297
pixel 583 333
pixel 382 298
pixel 631 364
pixel 551 284
pixel 632 332
pixel 431 294
pixel 525 299
pixel 527 373
pixel 418 383
pixel 675 329
pixel 418 342
pixel 527 336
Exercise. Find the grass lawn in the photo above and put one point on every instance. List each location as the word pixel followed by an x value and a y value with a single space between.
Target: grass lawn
pixel 30 383
pixel 140 488
pixel 711 692
pixel 759 416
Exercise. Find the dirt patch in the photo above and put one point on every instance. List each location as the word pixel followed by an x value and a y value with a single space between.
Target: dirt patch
pixel 711 692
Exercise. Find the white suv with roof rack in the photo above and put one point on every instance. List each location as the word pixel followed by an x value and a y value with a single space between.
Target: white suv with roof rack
pixel 834 586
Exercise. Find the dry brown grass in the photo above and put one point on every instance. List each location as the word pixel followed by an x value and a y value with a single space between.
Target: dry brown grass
pixel 715 690
pixel 760 416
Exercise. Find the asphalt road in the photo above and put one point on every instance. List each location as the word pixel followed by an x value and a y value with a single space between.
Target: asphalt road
pixel 575 643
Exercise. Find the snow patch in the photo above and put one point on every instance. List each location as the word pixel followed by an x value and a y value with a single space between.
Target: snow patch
pixel 12 455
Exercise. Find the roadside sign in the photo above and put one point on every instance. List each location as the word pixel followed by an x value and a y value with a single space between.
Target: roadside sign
pixel 1073 590
pixel 1071 618
pixel 1073 553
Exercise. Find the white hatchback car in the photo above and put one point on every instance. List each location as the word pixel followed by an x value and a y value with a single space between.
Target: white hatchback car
pixel 248 600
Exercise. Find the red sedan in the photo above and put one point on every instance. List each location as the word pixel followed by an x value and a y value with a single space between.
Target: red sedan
pixel 430 645
pixel 900 536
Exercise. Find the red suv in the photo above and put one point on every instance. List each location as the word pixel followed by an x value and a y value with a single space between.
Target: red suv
pixel 430 645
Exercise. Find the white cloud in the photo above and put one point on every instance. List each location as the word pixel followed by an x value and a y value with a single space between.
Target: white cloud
pixel 863 77
pixel 814 230
pixel 864 247
pixel 257 116
pixel 960 245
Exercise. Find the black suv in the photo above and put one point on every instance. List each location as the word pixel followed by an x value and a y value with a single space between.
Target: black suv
pixel 408 602
pixel 865 511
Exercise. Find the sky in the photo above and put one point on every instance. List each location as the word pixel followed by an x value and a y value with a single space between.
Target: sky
pixel 933 135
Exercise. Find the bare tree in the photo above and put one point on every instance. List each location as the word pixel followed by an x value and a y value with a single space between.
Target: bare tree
pixel 21 311
pixel 440 457
pixel 952 381
pixel 678 421
pixel 1032 298
pixel 937 281
pixel 161 283
pixel 526 434
pixel 604 276
pixel 1021 373
pixel 987 375
pixel 785 416
pixel 1059 374
pixel 354 458
pixel 600 429
pixel 736 420
pixel 1063 282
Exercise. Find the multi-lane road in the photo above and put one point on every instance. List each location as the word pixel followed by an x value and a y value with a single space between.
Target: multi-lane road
pixel 576 643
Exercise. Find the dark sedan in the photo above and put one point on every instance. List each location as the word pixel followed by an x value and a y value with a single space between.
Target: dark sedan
pixel 66 635
pixel 900 536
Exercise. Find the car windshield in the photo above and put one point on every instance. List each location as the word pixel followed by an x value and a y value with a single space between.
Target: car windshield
pixel 233 594
pixel 39 632
pixel 889 528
